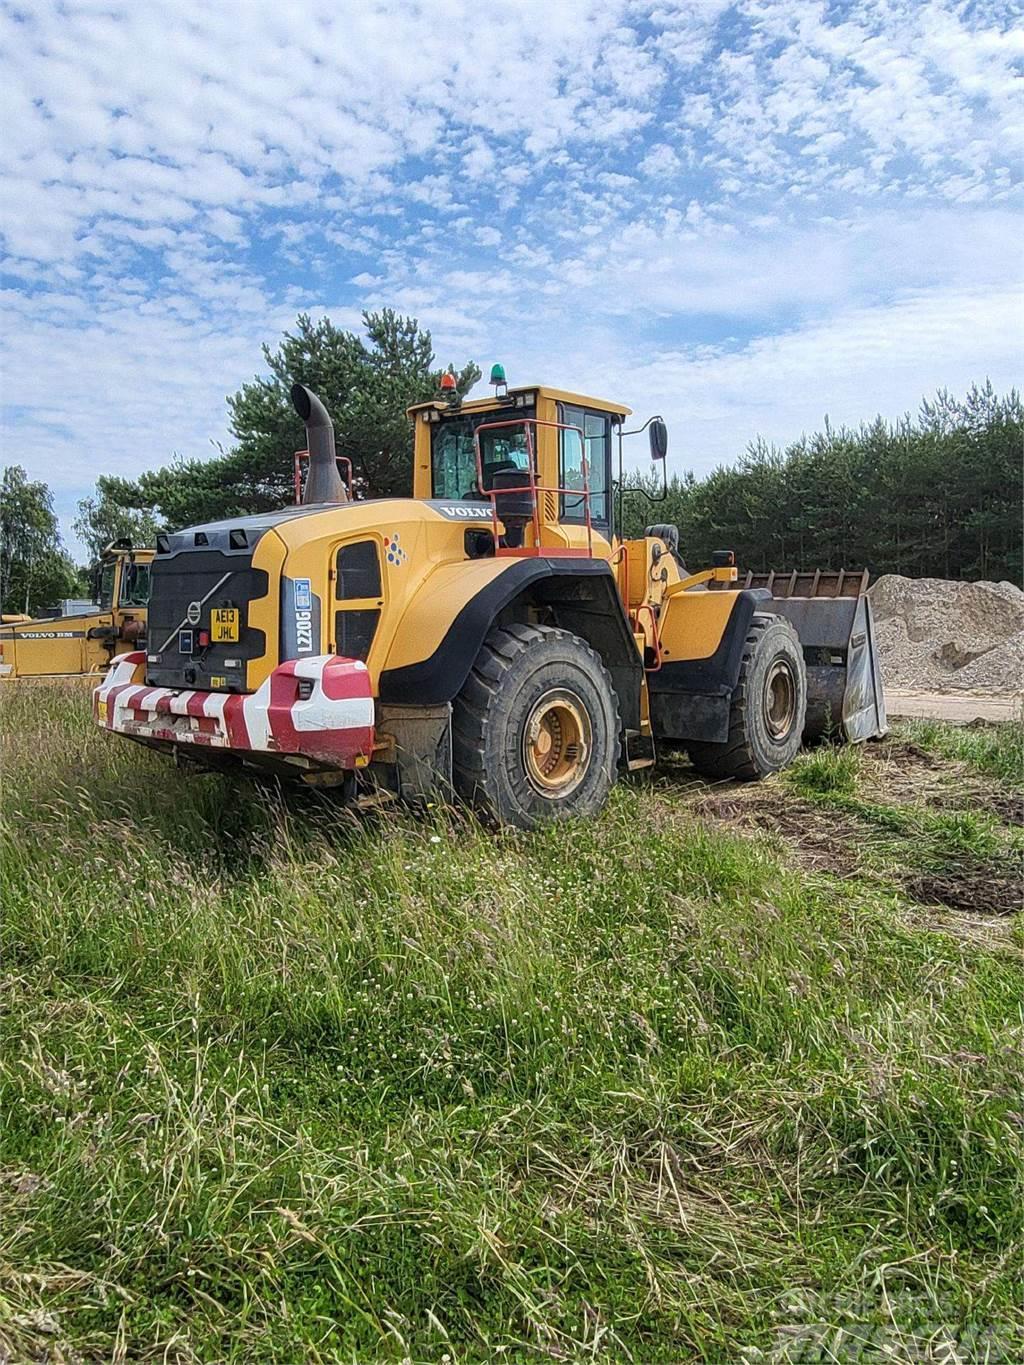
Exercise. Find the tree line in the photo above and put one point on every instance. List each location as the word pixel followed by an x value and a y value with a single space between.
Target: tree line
pixel 937 494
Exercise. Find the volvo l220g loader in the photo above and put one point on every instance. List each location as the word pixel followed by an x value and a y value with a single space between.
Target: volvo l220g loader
pixel 492 634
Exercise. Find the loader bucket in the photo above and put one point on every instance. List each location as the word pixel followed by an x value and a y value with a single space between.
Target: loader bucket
pixel 830 612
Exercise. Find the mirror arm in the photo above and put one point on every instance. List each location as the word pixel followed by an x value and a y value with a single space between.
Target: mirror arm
pixel 651 497
pixel 638 430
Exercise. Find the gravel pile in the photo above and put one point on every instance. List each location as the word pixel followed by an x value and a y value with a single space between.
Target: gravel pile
pixel 940 636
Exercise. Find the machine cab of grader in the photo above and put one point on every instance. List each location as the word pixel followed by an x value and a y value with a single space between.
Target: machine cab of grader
pixel 81 642
pixel 492 634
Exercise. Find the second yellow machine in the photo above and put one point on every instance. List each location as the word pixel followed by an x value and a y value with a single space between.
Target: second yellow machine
pixel 82 642
pixel 491 634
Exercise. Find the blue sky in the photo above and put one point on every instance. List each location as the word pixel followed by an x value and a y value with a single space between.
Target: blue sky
pixel 744 216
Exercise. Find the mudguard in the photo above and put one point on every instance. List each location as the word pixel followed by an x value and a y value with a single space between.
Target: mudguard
pixel 581 594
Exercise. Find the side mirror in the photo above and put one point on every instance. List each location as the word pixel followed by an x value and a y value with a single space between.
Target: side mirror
pixel 657 434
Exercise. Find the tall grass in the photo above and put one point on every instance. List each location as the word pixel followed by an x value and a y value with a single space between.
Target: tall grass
pixel 280 1084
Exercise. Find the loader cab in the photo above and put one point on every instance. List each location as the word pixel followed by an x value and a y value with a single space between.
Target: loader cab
pixel 133 584
pixel 542 456
pixel 105 583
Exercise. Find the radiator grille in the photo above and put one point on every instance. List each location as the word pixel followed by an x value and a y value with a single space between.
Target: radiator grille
pixel 190 584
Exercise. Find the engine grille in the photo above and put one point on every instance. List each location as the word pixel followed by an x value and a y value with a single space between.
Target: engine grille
pixel 211 579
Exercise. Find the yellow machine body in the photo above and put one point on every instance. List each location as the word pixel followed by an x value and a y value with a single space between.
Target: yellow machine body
pixel 82 644
pixel 334 637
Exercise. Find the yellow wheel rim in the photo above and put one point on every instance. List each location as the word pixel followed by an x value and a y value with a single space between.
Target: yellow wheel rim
pixel 557 743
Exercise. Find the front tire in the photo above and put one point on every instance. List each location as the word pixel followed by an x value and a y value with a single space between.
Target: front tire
pixel 768 709
pixel 535 728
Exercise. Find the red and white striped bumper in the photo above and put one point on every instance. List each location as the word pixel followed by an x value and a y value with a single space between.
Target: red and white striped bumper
pixel 333 725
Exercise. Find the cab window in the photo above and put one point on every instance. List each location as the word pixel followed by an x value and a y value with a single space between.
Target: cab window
pixel 592 432
pixel 134 585
pixel 105 585
pixel 453 457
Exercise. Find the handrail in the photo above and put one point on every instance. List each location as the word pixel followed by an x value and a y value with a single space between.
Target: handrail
pixel 621 555
pixel 297 473
pixel 533 487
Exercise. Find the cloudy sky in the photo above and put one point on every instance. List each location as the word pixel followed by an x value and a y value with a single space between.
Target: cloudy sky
pixel 744 216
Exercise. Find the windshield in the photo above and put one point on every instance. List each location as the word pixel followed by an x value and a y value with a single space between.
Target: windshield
pixel 134 585
pixel 453 456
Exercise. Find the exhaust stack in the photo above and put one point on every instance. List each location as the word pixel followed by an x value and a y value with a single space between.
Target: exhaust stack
pixel 323 482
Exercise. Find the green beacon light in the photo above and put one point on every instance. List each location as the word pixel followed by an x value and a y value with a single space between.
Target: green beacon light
pixel 498 379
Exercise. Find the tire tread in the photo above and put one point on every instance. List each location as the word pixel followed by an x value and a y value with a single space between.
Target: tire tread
pixel 481 692
pixel 735 757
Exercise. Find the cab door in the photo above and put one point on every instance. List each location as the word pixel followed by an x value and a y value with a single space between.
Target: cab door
pixel 585 431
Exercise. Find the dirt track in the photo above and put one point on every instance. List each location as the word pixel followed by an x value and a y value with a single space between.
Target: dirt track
pixel 865 835
pixel 954 706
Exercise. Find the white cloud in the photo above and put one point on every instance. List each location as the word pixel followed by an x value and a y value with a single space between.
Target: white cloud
pixel 860 362
pixel 808 181
pixel 660 161
pixel 882 359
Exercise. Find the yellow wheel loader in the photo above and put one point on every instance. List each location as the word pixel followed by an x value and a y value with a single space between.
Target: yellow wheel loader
pixel 493 634
pixel 82 641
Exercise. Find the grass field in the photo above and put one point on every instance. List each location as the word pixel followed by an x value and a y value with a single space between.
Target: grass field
pixel 722 1076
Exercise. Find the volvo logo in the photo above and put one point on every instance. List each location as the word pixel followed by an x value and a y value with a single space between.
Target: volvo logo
pixel 194 612
pixel 462 511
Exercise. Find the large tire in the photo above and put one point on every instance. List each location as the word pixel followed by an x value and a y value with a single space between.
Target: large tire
pixel 535 728
pixel 769 705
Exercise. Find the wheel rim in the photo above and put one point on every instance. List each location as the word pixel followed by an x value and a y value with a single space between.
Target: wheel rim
pixel 779 699
pixel 557 743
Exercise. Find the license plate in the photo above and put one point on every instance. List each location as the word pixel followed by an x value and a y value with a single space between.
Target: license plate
pixel 224 625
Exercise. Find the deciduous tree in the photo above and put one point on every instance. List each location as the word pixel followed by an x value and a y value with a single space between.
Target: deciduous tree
pixel 35 571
